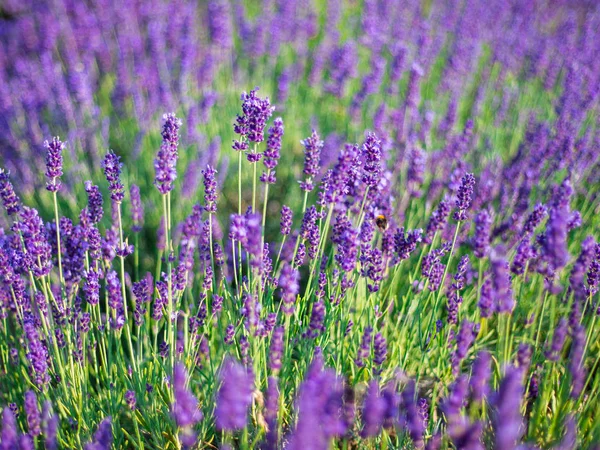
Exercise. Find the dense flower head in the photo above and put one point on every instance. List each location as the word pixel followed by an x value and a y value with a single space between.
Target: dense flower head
pixel 437 221
pixel 34 419
pixel 289 285
pixel 103 437
pixel 112 171
pixel 507 419
pixel 313 146
pixel 94 207
pixel 234 396
pixel 255 113
pixel 286 220
pixel 7 193
pixel 54 163
pixel 464 197
pixel 185 408
pixel 35 241
pixel 271 153
pixel 406 242
pixel 165 163
pixel 481 239
pixel 210 189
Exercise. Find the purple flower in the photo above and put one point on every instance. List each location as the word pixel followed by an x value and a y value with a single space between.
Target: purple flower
pixel 501 283
pixel 91 287
pixel 234 396
pixel 464 340
pixel 34 420
pixel 312 159
pixel 507 401
pixel 316 325
pixel 271 154
pixel 481 240
pixel 464 197
pixel 54 163
pixel 437 221
pixel 486 302
pixel 271 411
pixel 364 350
pixel 406 242
pixel 255 113
pixel 309 231
pixel 50 424
pixel 414 420
pixel 379 350
pixel 371 154
pixel 276 349
pixel 576 361
pixel 94 202
pixel 558 340
pixel 137 209
pixel 286 220
pixel 534 219
pixel 113 287
pixel 112 170
pixel 210 189
pixel 7 193
pixel 289 285
pixel 165 163
pixel 185 408
pixel 103 437
pixel 373 411
pixel 480 376
pixel 130 399
pixel 10 431
pixel 35 241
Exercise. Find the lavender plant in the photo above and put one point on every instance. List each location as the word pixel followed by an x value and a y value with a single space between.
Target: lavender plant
pixel 411 261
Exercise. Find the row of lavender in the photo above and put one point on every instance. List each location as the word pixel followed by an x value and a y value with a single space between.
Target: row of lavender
pixel 404 301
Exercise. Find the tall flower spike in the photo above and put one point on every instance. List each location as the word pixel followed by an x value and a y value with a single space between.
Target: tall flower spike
pixel 112 170
pixel 371 154
pixel 103 438
pixel 185 409
pixel 137 209
pixel 34 420
pixel 165 163
pixel 210 189
pixel 94 202
pixel 271 154
pixel 54 163
pixel 234 396
pixel 312 159
pixel 7 193
pixel 464 197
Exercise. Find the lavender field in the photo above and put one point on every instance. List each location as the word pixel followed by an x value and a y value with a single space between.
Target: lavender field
pixel 299 224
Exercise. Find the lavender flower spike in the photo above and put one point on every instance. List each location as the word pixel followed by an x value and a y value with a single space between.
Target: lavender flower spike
pixel 103 437
pixel 54 163
pixel 508 421
pixel 234 396
pixel 165 163
pixel 112 170
pixel 464 197
pixel 137 209
pixel 312 159
pixel 185 409
pixel 7 193
pixel 34 420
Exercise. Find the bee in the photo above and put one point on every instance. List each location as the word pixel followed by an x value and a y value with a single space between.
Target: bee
pixel 381 222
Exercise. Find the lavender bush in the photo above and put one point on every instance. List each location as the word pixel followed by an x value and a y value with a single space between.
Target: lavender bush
pixel 393 242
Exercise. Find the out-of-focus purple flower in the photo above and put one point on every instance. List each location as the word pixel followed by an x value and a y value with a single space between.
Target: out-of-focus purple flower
pixel 286 220
pixel 94 202
pixel 406 242
pixel 558 340
pixel 113 287
pixel 481 240
pixel 437 221
pixel 103 437
pixel 373 411
pixel 165 163
pixel 312 159
pixel 501 283
pixel 580 267
pixel 593 275
pixel 576 361
pixel 486 302
pixel 185 408
pixel 507 401
pixel 464 340
pixel 555 248
pixel 10 431
pixel 34 420
pixel 50 426
pixel 534 219
pixel 414 420
pixel 289 285
pixel 316 325
pixel 271 154
pixel 525 252
pixel 130 399
pixel 7 193
pixel 309 231
pixel 112 170
pixel 271 411
pixel 480 376
pixel 54 163
pixel 364 350
pixel 253 245
pixel 464 197
pixel 234 396
pixel 137 209
pixel 574 221
pixel 276 350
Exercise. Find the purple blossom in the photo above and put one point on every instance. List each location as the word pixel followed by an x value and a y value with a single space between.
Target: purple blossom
pixel 185 408
pixel 94 202
pixel 234 396
pixel 54 163
pixel 480 376
pixel 534 219
pixel 364 350
pixel 501 282
pixel 464 197
pixel 286 220
pixel 165 163
pixel 255 113
pixel 371 154
pixel 137 209
pixel 507 401
pixel 34 420
pixel 481 240
pixel 103 437
pixel 437 221
pixel 312 158
pixel 112 170
pixel 289 286
pixel 406 242
pixel 130 399
pixel 576 361
pixel 210 189
pixel 271 154
pixel 10 431
pixel 7 193
pixel 373 411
